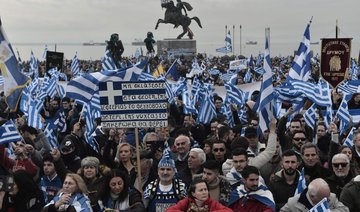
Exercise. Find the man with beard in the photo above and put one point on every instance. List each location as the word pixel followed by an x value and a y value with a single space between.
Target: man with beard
pixel 165 191
pixel 251 195
pixel 283 184
pixel 341 175
pixel 298 140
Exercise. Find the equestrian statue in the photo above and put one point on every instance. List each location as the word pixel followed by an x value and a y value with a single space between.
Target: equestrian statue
pixel 173 15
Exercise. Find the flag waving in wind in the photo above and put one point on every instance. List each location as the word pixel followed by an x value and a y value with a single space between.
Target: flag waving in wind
pixel 228 45
pixel 300 69
pixel 14 80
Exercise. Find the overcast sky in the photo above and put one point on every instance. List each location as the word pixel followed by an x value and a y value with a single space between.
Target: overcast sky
pixel 83 20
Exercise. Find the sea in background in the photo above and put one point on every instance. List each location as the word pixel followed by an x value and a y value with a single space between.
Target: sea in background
pixel 96 52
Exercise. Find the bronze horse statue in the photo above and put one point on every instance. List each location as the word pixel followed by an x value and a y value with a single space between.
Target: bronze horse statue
pixel 174 16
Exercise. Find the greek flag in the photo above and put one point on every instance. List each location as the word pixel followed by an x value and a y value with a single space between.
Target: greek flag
pixel 207 109
pixel 34 117
pixel 228 45
pixel 144 76
pixel 51 135
pixel 107 62
pixel 14 80
pixel 1 80
pixel 300 69
pixel 45 52
pixel 34 68
pixel 318 93
pixel 259 60
pixel 84 87
pixel 9 133
pixel 354 70
pixel 234 95
pixel 213 71
pixel 349 87
pixel 301 183
pixel 260 70
pixel 226 110
pixel 343 113
pixel 322 206
pixel 263 195
pixel 349 139
pixel 49 86
pixel 226 76
pixel 310 116
pixel 266 91
pixel 75 66
pixel 247 77
pixel 89 117
pixel 189 107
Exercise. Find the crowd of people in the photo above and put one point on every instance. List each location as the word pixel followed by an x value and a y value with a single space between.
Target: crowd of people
pixel 186 166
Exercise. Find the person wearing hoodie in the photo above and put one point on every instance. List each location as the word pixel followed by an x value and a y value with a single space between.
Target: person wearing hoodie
pixel 283 184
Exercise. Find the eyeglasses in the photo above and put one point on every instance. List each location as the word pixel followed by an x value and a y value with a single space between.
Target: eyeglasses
pixel 299 139
pixel 219 149
pixel 337 165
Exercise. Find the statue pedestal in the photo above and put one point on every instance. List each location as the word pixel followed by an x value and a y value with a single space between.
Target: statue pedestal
pixel 176 47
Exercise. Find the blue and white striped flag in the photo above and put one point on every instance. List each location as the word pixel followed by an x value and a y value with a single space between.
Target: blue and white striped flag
pixel 51 135
pixel 349 139
pixel 301 67
pixel 75 66
pixel 262 194
pixel 301 186
pixel 349 87
pixel 247 77
pixel 266 91
pixel 45 52
pixel 226 76
pixel 322 206
pixel 226 110
pixel 260 70
pixel 207 109
pixel 1 80
pixel 34 117
pixel 9 133
pixel 310 116
pixel 319 93
pixel 234 94
pixel 107 62
pixel 34 68
pixel 343 113
pixel 228 45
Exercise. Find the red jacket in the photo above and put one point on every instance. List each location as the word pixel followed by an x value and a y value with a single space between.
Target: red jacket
pixel 185 204
pixel 13 165
pixel 250 205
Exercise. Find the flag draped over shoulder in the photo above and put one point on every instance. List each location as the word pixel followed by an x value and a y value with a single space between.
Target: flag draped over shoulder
pixel 9 133
pixel 300 69
pixel 14 80
pixel 263 195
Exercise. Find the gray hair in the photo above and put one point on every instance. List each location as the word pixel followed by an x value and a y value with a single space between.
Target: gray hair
pixel 340 156
pixel 201 154
pixel 149 134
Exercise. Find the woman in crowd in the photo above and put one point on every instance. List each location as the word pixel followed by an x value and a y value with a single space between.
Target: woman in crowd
pixel 198 200
pixel 122 160
pixel 118 195
pixel 72 197
pixel 23 194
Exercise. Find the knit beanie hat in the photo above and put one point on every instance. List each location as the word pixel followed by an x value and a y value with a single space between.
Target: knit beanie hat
pixel 167 160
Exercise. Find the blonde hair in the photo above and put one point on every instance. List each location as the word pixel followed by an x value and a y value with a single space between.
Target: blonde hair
pixel 121 145
pixel 81 186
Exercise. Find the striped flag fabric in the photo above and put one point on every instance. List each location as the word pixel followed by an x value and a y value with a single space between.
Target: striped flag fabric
pixel 228 45
pixel 343 113
pixel 75 66
pixel 1 80
pixel 301 67
pixel 234 95
pixel 9 133
pixel 349 87
pixel 247 77
pixel 51 135
pixel 207 109
pixel 34 68
pixel 319 93
pixel 260 70
pixel 226 76
pixel 322 206
pixel 310 116
pixel 266 91
pixel 301 186
pixel 226 110
pixel 349 139
pixel 45 52
pixel 107 62
pixel 34 117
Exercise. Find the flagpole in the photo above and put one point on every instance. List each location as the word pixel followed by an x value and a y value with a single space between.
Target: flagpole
pixel 336 29
pixel 138 159
pixel 240 41
pixel 225 35
pixel 233 44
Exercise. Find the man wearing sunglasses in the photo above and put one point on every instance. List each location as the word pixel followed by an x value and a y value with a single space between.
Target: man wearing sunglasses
pixel 298 140
pixel 341 173
pixel 219 151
